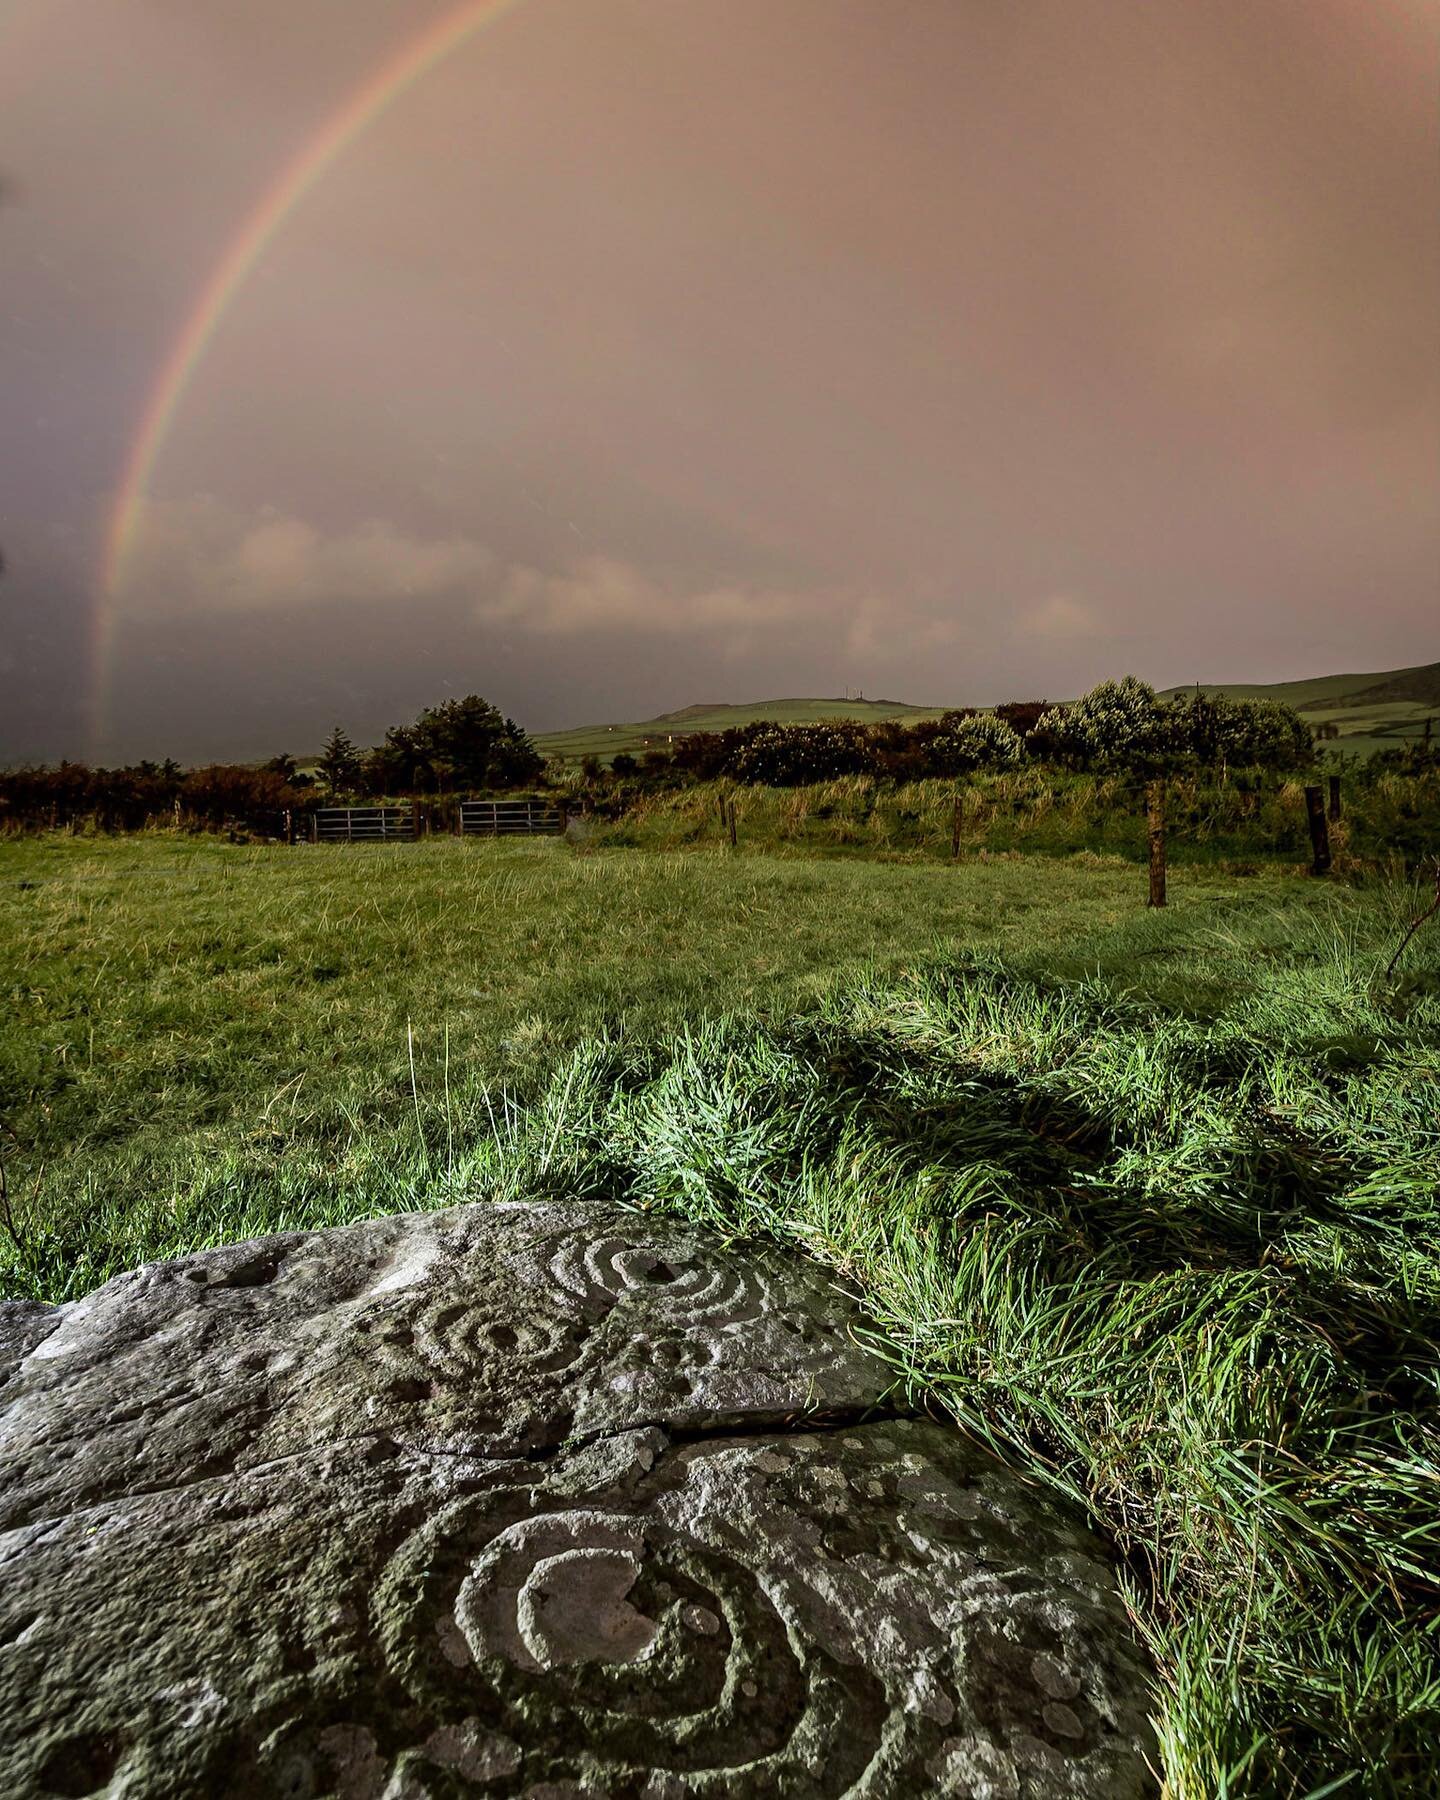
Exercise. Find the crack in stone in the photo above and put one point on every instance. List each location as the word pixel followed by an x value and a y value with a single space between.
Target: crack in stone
pixel 542 1499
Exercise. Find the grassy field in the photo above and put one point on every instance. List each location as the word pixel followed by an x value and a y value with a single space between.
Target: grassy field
pixel 1373 711
pixel 606 741
pixel 1145 1200
pixel 1243 826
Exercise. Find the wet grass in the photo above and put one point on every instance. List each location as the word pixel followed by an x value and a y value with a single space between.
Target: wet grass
pixel 1255 821
pixel 1147 1201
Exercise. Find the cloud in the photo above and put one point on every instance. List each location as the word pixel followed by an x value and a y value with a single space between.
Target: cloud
pixel 1061 616
pixel 605 593
pixel 878 628
pixel 200 555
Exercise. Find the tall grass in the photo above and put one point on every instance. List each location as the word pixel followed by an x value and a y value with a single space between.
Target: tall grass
pixel 1185 1268
pixel 1250 822
pixel 1147 1202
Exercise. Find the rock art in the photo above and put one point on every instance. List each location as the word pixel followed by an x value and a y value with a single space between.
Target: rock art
pixel 531 1500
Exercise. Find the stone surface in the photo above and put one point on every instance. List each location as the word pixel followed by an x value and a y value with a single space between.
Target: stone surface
pixel 531 1500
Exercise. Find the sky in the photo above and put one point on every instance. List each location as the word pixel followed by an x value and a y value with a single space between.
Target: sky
pixel 636 353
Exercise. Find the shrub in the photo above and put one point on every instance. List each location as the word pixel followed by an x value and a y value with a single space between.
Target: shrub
pixel 980 742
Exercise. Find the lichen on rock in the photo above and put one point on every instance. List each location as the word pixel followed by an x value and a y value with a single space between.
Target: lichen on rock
pixel 524 1500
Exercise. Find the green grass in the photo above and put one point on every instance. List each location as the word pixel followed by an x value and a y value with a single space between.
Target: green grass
pixel 1246 824
pixel 1378 711
pixel 1384 709
pixel 606 741
pixel 1147 1201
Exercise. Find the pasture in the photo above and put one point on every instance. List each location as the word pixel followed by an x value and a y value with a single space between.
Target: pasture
pixel 606 741
pixel 1146 1200
pixel 1374 711
pixel 1239 827
pixel 1382 710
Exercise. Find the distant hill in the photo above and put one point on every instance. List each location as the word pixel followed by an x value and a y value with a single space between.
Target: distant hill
pixel 652 734
pixel 1373 711
pixel 1370 711
pixel 1421 685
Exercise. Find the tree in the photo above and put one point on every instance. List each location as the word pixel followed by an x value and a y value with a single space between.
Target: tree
pixel 1269 733
pixel 514 760
pixel 1117 725
pixel 340 762
pixel 979 742
pixel 469 743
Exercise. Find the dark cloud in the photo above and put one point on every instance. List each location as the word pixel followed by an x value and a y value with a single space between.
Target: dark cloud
pixel 650 352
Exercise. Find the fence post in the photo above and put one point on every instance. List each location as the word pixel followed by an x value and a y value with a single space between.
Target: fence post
pixel 415 819
pixel 723 820
pixel 289 826
pixel 1334 796
pixel 1155 820
pixel 733 838
pixel 314 827
pixel 1319 830
pixel 955 828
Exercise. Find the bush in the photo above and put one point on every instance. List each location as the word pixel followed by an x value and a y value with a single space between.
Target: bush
pixel 981 742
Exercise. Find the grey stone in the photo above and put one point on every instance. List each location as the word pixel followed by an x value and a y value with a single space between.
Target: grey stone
pixel 531 1500
pixel 487 1330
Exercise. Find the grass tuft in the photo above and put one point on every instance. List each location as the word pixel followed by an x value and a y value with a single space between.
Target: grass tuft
pixel 1146 1202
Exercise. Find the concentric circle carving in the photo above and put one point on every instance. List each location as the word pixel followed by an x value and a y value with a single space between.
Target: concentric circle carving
pixel 624 1643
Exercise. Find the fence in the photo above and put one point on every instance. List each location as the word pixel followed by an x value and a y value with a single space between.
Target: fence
pixel 510 818
pixel 363 824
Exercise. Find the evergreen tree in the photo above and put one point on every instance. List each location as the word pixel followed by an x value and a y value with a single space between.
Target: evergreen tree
pixel 340 762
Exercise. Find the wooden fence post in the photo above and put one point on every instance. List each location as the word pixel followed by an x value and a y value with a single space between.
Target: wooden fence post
pixel 289 826
pixel 1319 830
pixel 734 839
pixel 314 827
pixel 415 819
pixel 955 828
pixel 1334 796
pixel 1155 820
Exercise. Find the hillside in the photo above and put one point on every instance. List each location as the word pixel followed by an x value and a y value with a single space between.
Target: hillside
pixel 1422 685
pixel 1369 711
pixel 656 733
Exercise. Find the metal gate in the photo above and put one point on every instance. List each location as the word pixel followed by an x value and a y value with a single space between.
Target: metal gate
pixel 363 824
pixel 510 818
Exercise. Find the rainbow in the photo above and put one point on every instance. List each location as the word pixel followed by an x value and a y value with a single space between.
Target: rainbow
pixel 411 63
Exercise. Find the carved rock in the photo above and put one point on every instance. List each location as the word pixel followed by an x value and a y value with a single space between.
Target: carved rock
pixel 524 1500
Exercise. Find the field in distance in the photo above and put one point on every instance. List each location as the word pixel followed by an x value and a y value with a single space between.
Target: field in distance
pixel 1378 711
pixel 1374 711
pixel 657 734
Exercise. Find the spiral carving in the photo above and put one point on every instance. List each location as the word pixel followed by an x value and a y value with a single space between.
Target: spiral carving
pixel 624 1644
pixel 675 1281
pixel 793 1616
pixel 531 1500
pixel 461 1340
